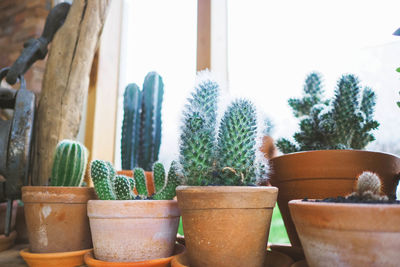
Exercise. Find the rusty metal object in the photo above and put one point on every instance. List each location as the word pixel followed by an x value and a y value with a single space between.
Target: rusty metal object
pixel 35 49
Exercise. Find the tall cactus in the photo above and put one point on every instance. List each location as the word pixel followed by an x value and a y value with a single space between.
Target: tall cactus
pixel 141 129
pixel 69 164
pixel 130 127
pixel 237 144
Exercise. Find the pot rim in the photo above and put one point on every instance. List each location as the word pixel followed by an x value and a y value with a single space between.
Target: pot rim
pixel 57 194
pixel 324 151
pixel 225 188
pixel 300 202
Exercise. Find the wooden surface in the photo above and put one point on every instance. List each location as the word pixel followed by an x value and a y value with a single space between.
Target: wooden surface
pixel 12 258
pixel 66 81
pixel 203 34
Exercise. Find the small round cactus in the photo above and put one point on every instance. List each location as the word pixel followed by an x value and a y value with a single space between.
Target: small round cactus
pixel 368 181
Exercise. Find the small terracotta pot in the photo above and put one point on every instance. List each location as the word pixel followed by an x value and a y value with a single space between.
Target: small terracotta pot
pixel 149 180
pixel 133 230
pixel 351 235
pixel 226 226
pixel 56 218
pixel 327 173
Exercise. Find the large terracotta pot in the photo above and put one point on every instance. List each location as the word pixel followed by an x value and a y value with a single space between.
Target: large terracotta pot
pixel 226 226
pixel 327 173
pixel 348 235
pixel 56 218
pixel 149 180
pixel 133 230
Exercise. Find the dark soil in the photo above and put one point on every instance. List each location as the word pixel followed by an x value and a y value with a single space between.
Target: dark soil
pixel 354 199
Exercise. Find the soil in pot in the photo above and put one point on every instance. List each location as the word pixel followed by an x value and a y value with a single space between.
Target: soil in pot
pixel 226 225
pixel 56 218
pixel 346 234
pixel 133 230
pixel 326 173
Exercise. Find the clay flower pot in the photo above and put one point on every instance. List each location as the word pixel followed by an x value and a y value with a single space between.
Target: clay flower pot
pixel 327 173
pixel 349 235
pixel 56 218
pixel 149 180
pixel 226 226
pixel 133 230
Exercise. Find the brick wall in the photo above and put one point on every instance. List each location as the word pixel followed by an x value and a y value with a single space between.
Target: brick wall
pixel 21 20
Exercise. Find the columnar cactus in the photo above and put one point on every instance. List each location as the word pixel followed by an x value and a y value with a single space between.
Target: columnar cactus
pixel 141 129
pixel 69 164
pixel 342 123
pixel 228 160
pixel 109 186
pixel 237 143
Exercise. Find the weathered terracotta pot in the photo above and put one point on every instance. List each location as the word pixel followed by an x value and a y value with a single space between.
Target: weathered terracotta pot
pixel 56 218
pixel 348 235
pixel 133 230
pixel 327 173
pixel 149 180
pixel 226 226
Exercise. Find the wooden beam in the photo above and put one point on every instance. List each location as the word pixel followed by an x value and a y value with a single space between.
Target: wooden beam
pixel 203 34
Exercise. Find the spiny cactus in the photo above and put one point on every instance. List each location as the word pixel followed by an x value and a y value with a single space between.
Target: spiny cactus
pixel 237 144
pixel 159 176
pixel 342 123
pixel 141 129
pixel 369 187
pixel 109 186
pixel 230 160
pixel 69 164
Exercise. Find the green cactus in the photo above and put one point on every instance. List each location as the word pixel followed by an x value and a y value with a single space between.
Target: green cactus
pixel 140 181
pixel 123 188
pixel 130 127
pixel 69 164
pixel 343 123
pixel 158 176
pixel 168 191
pixel 237 144
pixel 141 130
pixel 100 174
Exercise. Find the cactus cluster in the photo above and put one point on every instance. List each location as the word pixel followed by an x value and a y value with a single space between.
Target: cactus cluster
pixel 369 187
pixel 141 127
pixel 109 186
pixel 223 157
pixel 69 164
pixel 345 122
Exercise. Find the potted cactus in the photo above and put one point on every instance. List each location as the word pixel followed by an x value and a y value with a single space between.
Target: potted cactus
pixel 128 226
pixel 56 214
pixel 361 229
pixel 327 155
pixel 141 126
pixel 225 216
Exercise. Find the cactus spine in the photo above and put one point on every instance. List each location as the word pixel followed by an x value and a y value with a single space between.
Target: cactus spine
pixel 141 129
pixel 101 177
pixel 69 164
pixel 344 122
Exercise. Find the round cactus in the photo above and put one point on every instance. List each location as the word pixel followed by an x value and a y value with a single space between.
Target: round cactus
pixel 100 174
pixel 69 164
pixel 122 188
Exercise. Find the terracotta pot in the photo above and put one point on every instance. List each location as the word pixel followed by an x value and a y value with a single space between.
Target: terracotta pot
pixel 163 262
pixel 7 241
pixel 268 147
pixel 301 263
pixel 149 180
pixel 226 225
pixel 327 173
pixel 133 230
pixel 348 235
pixel 296 253
pixel 20 226
pixel 56 218
pixel 64 259
pixel 272 259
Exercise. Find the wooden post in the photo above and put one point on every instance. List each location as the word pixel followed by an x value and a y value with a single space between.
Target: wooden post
pixel 66 81
pixel 203 34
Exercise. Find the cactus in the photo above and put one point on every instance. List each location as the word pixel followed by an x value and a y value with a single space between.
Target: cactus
pixel 140 181
pixel 141 129
pixel 368 188
pixel 130 127
pixel 122 188
pixel 100 174
pixel 169 189
pixel 237 144
pixel 69 164
pixel 230 160
pixel 342 123
pixel 158 176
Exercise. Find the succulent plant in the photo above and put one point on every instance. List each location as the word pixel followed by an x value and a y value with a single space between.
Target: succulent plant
pixel 369 187
pixel 69 164
pixel 228 160
pixel 141 128
pixel 109 186
pixel 342 123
